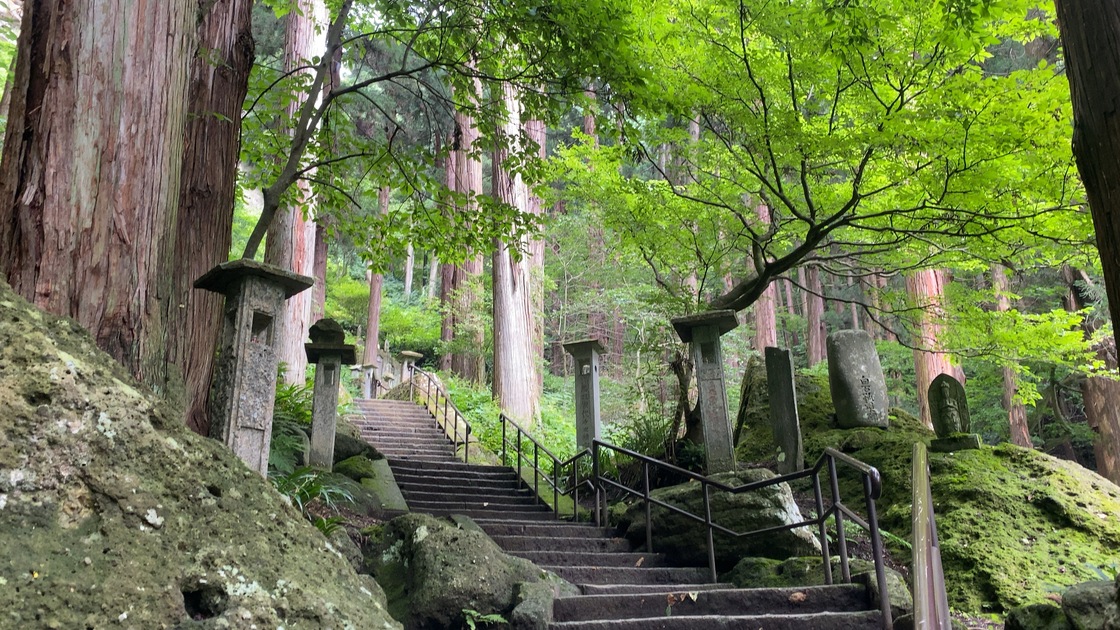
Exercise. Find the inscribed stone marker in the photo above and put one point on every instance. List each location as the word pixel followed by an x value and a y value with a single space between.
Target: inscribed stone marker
pixel 948 406
pixel 783 410
pixel 328 351
pixel 859 390
pixel 588 424
pixel 703 331
pixel 245 374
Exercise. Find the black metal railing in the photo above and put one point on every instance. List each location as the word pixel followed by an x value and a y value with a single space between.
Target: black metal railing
pixel 931 603
pixel 523 444
pixel 837 510
pixel 452 421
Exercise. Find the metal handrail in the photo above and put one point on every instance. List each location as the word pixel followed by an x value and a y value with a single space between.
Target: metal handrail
pixel 872 489
pixel 558 466
pixel 433 405
pixel 931 602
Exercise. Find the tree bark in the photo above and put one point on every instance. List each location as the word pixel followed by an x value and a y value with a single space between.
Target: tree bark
pixel 765 321
pixel 211 146
pixel 409 264
pixel 1090 32
pixel 1016 411
pixel 515 360
pixel 926 289
pixel 376 282
pixel 291 235
pixel 433 276
pixel 91 170
pixel 813 305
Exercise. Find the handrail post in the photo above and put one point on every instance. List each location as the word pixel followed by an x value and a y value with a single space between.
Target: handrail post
pixel 711 539
pixel 823 527
pixel 575 491
pixel 595 483
pixel 838 514
pixel 536 471
pixel 649 508
pixel 877 552
pixel 505 447
pixel 556 489
pixel 466 442
pixel 519 480
pixel 412 385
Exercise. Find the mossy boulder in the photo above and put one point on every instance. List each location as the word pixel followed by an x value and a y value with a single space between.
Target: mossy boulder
pixel 433 569
pixel 113 514
pixel 1014 524
pixel 684 540
pixel 357 467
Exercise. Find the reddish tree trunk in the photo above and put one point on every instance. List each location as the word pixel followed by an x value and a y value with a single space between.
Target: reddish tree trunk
pixel 765 320
pixel 926 289
pixel 91 170
pixel 812 303
pixel 1016 411
pixel 211 147
pixel 291 235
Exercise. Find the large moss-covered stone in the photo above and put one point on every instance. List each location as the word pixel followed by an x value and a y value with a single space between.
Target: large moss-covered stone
pixel 433 570
pixel 1013 523
pixel 113 514
pixel 346 446
pixel 684 540
pixel 1089 604
pixel 1037 617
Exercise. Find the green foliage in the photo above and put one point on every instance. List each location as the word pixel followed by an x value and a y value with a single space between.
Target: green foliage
pixel 304 485
pixel 328 525
pixel 474 619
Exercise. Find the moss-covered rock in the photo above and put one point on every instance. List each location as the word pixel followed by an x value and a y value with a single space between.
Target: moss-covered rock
pixel 433 569
pixel 684 540
pixel 1014 524
pixel 113 514
pixel 357 467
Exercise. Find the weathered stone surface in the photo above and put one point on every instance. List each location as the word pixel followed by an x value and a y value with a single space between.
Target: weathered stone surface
pixel 859 390
pixel 327 331
pixel 588 424
pixel 808 571
pixel 1089 605
pixel 783 410
pixel 432 570
pixel 535 600
pixel 685 540
pixel 356 467
pixel 346 447
pixel 702 333
pixel 1113 622
pixel 1037 617
pixel 115 515
pixel 948 406
pixel 955 442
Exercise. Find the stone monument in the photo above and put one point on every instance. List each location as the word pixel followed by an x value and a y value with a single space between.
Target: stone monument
pixel 245 374
pixel 783 410
pixel 859 390
pixel 329 351
pixel 588 424
pixel 408 359
pixel 703 332
pixel 948 408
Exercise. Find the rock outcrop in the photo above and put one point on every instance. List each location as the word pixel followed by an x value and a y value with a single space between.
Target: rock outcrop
pixel 113 514
pixel 684 540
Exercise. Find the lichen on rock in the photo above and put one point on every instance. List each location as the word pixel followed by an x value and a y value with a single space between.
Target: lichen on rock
pixel 113 514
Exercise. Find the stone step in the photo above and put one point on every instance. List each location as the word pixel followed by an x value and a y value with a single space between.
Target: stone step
pixel 403 426
pixel 433 493
pixel 454 484
pixel 593 558
pixel 422 458
pixel 627 575
pixel 599 545
pixel 645 589
pixel 461 468
pixel 556 529
pixel 817 621
pixel 457 504
pixel 772 601
pixel 393 452
pixel 416 435
pixel 520 515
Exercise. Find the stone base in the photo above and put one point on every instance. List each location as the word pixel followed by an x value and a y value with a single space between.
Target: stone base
pixel 956 442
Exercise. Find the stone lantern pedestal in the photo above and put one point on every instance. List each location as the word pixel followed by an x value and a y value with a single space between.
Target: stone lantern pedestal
pixel 329 352
pixel 588 423
pixel 703 332
pixel 245 375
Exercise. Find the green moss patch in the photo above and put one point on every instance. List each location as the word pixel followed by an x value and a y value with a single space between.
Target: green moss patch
pixel 1015 525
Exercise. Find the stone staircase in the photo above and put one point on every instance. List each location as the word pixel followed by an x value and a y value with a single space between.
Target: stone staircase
pixel 621 587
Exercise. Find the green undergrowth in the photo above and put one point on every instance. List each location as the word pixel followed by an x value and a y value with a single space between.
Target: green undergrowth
pixel 1015 525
